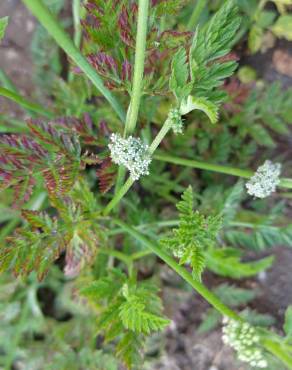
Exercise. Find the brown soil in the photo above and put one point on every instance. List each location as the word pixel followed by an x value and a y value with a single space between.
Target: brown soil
pixel 185 349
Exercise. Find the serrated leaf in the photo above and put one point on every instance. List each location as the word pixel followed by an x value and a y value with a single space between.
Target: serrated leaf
pixel 226 262
pixel 129 349
pixel 257 319
pixel 33 250
pixel 202 104
pixel 135 317
pixel 234 296
pixel 105 287
pixel 232 202
pixel 179 75
pixel 261 136
pixel 264 236
pixel 214 40
pixel 194 235
pixel 186 204
pixel 209 62
pixel 210 320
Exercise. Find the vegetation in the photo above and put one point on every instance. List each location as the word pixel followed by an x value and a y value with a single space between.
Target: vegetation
pixel 151 116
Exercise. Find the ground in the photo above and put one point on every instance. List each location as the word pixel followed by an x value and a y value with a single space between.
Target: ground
pixel 185 349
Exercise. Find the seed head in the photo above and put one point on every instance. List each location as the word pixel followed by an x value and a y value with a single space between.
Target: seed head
pixel 245 341
pixel 131 153
pixel 264 181
pixel 177 123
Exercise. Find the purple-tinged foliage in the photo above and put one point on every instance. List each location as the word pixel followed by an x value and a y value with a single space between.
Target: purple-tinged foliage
pixel 53 150
pixel 106 175
pixel 112 26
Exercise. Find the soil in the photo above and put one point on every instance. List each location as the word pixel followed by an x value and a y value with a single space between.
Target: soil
pixel 15 57
pixel 185 349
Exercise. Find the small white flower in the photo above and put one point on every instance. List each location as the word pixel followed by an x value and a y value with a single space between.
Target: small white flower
pixel 264 181
pixel 244 340
pixel 176 121
pixel 131 153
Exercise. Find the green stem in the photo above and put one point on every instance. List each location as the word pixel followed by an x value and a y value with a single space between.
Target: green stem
pixel 199 287
pixel 276 349
pixel 77 31
pixel 25 103
pixel 160 136
pixel 272 346
pixel 141 254
pixel 133 109
pixel 196 14
pixel 124 189
pixel 76 22
pixel 117 254
pixel 284 183
pixel 118 196
pixel 6 82
pixel 49 22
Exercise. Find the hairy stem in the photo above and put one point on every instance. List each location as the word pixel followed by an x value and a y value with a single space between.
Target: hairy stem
pixel 196 14
pixel 133 110
pixel 33 107
pixel 49 22
pixel 284 183
pixel 137 84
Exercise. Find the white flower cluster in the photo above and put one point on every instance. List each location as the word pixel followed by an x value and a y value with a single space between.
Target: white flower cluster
pixel 244 339
pixel 131 153
pixel 265 180
pixel 176 121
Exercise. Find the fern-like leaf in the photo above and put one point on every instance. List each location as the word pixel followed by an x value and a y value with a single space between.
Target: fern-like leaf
pixel 135 317
pixel 208 63
pixel 35 246
pixel 195 234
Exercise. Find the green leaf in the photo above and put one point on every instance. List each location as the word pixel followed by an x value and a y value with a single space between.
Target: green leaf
pixel 106 287
pixel 214 40
pixel 31 249
pixel 283 27
pixel 255 38
pixel 234 296
pixel 266 18
pixel 207 68
pixel 262 237
pixel 129 349
pixel 3 25
pixel 179 75
pixel 257 319
pixel 232 202
pixel 202 104
pixel 288 322
pixel 185 206
pixel 195 234
pixel 226 262
pixel 135 317
pixel 210 320
pixel 261 136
